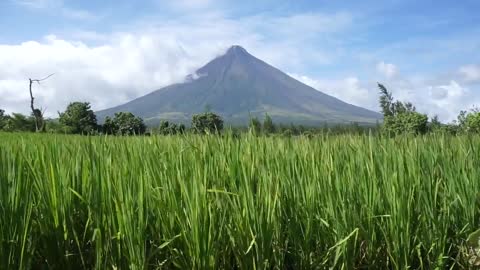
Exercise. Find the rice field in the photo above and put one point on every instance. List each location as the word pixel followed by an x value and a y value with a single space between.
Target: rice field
pixel 211 202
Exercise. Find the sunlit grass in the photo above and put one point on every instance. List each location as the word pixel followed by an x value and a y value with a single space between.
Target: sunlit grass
pixel 208 202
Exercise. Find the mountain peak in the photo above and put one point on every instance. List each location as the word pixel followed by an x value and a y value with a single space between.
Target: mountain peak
pixel 237 85
pixel 236 50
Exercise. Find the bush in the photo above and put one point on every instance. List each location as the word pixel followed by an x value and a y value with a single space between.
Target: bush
pixel 124 123
pixel 207 123
pixel 79 118
pixel 399 117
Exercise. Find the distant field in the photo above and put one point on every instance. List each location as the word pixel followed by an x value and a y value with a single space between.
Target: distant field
pixel 193 202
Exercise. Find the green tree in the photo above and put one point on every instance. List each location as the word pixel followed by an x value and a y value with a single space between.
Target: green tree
pixel 462 119
pixel 3 119
pixel 435 124
pixel 79 118
pixel 168 128
pixel 108 126
pixel 207 122
pixel 386 101
pixel 125 123
pixel 255 126
pixel 472 122
pixel 20 122
pixel 268 126
pixel 399 117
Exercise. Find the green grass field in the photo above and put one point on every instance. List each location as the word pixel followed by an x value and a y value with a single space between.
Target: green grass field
pixel 206 202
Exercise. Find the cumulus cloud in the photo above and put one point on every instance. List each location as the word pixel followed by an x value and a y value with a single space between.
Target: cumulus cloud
pixel 445 100
pixel 470 73
pixel 124 65
pixel 349 89
pixel 387 70
pixel 108 69
pixel 105 75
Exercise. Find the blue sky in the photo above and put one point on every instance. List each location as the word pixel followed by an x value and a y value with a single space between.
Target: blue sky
pixel 108 52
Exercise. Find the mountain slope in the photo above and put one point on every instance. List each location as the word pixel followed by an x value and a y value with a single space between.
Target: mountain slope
pixel 237 85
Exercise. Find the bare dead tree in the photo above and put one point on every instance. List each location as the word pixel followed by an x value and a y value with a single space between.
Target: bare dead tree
pixel 37 113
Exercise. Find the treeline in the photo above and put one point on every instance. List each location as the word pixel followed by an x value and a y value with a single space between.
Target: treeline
pixel 403 118
pixel 398 118
pixel 79 118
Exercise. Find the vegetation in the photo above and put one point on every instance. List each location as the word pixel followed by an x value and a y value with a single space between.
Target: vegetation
pixel 268 126
pixel 19 122
pixel 167 128
pixel 219 202
pixel 254 125
pixel 124 123
pixel 276 197
pixel 79 118
pixel 207 122
pixel 398 117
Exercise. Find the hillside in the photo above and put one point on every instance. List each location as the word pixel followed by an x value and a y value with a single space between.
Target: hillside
pixel 237 85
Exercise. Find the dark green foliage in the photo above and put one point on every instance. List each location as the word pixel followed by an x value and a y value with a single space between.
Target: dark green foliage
pixel 124 123
pixel 462 119
pixel 472 122
pixel 255 126
pixel 109 126
pixel 79 118
pixel 406 123
pixel 399 117
pixel 268 126
pixel 39 120
pixel 3 119
pixel 19 122
pixel 207 123
pixel 386 101
pixel 435 125
pixel 168 128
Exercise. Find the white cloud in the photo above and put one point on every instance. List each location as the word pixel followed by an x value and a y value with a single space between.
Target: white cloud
pixel 125 65
pixel 147 56
pixel 443 99
pixel 387 70
pixel 349 89
pixel 470 73
pixel 105 75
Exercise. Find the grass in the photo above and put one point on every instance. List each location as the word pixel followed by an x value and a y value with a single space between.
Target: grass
pixel 205 202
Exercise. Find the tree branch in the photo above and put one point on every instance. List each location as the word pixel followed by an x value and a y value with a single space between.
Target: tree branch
pixel 37 113
pixel 39 80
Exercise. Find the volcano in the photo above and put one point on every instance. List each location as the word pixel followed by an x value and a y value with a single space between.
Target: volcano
pixel 238 86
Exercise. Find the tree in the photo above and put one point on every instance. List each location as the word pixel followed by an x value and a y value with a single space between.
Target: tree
pixel 462 119
pixel 399 117
pixel 255 126
pixel 167 128
pixel 124 123
pixel 109 126
pixel 386 101
pixel 79 118
pixel 3 119
pixel 472 122
pixel 37 113
pixel 207 122
pixel 435 124
pixel 20 122
pixel 268 126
